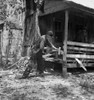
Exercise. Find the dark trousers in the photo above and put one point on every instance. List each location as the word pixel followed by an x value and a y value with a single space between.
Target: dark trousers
pixel 40 62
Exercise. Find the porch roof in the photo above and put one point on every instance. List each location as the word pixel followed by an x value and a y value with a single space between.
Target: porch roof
pixel 53 6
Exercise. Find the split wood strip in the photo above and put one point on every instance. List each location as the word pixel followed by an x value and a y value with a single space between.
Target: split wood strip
pixel 80 64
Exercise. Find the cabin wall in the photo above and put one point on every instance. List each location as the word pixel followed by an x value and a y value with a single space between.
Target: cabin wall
pixel 58 26
pixel 45 24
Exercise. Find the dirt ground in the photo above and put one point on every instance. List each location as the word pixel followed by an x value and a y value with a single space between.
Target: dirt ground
pixel 50 87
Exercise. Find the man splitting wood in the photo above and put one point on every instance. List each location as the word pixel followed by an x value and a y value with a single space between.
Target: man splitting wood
pixel 45 41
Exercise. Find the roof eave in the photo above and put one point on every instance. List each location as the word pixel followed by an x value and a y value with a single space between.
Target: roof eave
pixel 80 7
pixel 67 5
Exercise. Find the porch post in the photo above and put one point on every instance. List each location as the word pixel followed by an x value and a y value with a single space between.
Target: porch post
pixel 64 66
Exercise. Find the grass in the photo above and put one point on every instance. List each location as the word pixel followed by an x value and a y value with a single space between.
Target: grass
pixel 61 91
pixel 87 85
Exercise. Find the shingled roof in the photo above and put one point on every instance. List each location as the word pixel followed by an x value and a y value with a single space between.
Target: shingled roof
pixel 52 6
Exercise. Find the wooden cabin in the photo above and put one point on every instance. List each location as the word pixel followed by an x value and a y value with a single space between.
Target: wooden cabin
pixel 72 22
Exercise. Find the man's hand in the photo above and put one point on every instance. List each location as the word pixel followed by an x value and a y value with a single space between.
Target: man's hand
pixel 60 52
pixel 54 48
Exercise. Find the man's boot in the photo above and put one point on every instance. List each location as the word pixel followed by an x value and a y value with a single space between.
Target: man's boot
pixel 26 72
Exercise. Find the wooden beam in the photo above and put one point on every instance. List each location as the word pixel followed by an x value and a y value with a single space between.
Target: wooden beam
pixel 64 67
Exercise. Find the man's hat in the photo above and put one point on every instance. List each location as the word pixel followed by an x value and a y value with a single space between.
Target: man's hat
pixel 50 33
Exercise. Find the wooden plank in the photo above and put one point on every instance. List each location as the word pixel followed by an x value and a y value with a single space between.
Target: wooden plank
pixel 64 67
pixel 80 44
pixel 80 49
pixel 80 56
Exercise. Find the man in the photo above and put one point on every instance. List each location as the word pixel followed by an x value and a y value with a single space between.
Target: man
pixel 46 41
pixel 37 53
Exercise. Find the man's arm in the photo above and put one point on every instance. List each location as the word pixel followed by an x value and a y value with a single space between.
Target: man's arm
pixel 52 45
pixel 42 42
pixel 60 52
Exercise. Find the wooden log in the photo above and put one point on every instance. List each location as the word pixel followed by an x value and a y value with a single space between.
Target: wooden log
pixel 80 56
pixel 80 49
pixel 74 65
pixel 80 44
pixel 81 53
pixel 83 60
pixel 74 52
pixel 64 67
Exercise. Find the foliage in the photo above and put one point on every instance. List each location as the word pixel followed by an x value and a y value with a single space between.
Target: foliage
pixel 2 9
pixel 10 9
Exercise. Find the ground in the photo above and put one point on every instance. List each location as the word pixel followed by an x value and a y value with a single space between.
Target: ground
pixel 50 87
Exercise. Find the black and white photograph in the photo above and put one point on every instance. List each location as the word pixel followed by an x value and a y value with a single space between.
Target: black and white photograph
pixel 46 49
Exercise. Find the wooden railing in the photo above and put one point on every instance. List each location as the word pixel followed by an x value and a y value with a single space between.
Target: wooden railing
pixel 82 51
